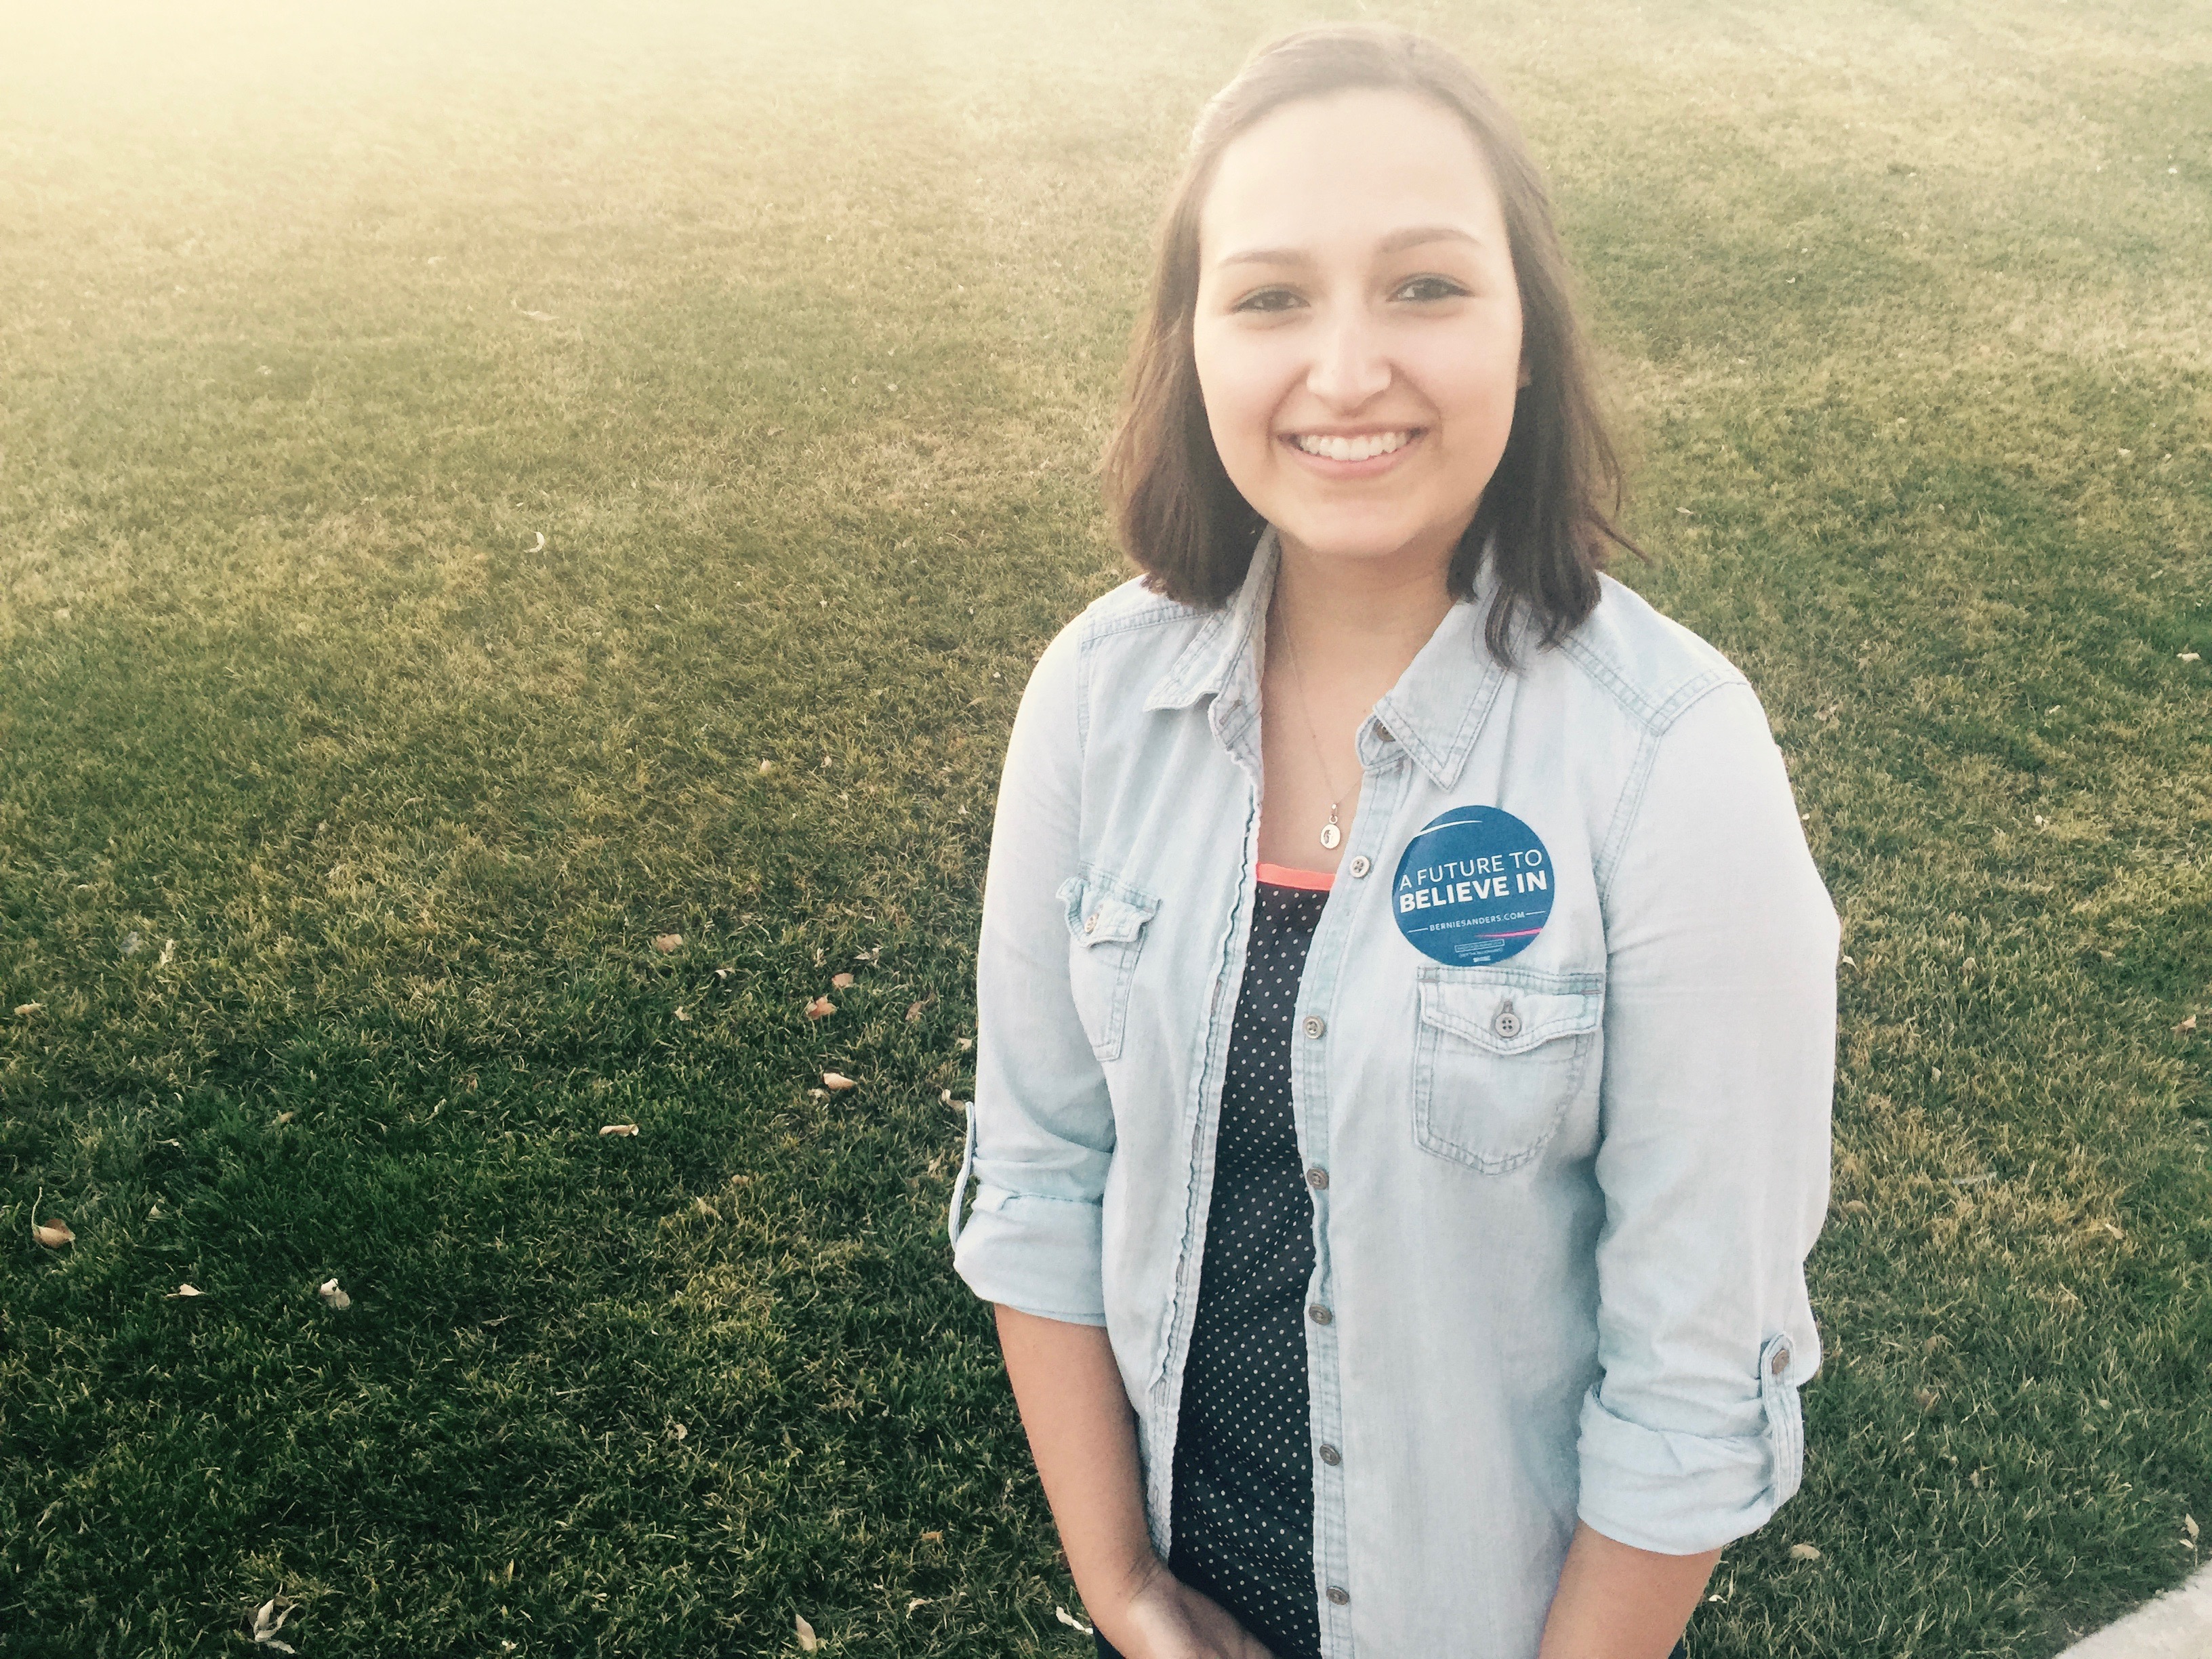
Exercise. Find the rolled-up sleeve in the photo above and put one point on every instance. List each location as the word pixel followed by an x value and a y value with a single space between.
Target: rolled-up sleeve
pixel 1720 1025
pixel 1041 1132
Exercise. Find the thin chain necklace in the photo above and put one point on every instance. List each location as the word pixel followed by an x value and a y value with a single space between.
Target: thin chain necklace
pixel 1331 834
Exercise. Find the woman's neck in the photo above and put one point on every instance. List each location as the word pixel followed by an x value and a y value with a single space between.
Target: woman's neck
pixel 1357 620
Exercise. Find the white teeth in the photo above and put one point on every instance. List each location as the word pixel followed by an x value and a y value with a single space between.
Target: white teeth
pixel 1364 448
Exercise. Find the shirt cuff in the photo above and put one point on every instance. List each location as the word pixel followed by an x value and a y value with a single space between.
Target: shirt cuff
pixel 1038 1255
pixel 1682 1494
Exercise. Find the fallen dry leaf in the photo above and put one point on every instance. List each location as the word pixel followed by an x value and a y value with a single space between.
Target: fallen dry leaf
pixel 332 1296
pixel 52 1234
pixel 1927 1398
pixel 2189 1522
pixel 681 1433
pixel 966 1043
pixel 915 1010
pixel 684 1014
pixel 841 980
pixel 2186 1026
pixel 932 1538
pixel 807 1639
pixel 25 1010
pixel 818 1094
pixel 664 943
pixel 618 1128
pixel 186 1290
pixel 767 766
pixel 540 545
pixel 837 1080
pixel 2191 656
pixel 918 1601
pixel 265 1627
pixel 821 1008
pixel 285 1117
pixel 1070 1619
pixel 539 316
pixel 724 972
pixel 1803 1553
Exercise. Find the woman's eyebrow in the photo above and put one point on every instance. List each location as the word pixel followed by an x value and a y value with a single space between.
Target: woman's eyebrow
pixel 1396 242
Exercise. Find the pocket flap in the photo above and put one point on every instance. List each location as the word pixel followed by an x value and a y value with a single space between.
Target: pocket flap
pixel 1512 1016
pixel 1103 912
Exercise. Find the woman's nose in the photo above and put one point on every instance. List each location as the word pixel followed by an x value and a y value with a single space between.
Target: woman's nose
pixel 1350 367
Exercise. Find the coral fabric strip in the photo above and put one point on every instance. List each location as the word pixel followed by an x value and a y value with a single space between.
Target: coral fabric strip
pixel 1313 881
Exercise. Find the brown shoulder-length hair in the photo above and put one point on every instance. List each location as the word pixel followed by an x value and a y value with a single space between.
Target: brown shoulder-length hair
pixel 1547 513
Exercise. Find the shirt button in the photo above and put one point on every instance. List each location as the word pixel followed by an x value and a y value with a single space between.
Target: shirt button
pixel 1339 1596
pixel 1315 1025
pixel 1321 1316
pixel 1383 734
pixel 1507 1025
pixel 1360 866
pixel 1330 1456
pixel 1781 1362
pixel 1316 1177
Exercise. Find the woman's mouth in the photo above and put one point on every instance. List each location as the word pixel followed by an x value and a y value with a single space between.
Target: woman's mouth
pixel 1351 448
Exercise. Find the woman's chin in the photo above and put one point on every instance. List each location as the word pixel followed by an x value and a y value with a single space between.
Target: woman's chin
pixel 1368 544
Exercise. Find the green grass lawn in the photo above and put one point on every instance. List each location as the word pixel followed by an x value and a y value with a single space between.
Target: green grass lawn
pixel 340 812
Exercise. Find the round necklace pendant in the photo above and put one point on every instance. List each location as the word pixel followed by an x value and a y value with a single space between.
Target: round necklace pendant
pixel 1330 836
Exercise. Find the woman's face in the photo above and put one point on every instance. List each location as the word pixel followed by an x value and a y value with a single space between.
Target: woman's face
pixel 1358 332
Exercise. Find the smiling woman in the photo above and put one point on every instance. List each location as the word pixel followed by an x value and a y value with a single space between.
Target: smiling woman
pixel 1411 1265
pixel 1487 273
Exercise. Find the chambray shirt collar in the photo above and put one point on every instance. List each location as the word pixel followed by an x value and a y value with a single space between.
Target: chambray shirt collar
pixel 1434 714
pixel 1224 655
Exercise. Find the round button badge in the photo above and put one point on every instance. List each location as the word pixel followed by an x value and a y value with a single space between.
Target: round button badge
pixel 1473 887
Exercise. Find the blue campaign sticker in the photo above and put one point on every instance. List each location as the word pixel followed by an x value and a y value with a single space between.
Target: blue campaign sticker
pixel 1473 887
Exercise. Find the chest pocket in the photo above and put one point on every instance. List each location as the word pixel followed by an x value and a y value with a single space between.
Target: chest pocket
pixel 1500 1054
pixel 1106 920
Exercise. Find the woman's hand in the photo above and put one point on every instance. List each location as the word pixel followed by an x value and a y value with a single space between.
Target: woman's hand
pixel 1166 1618
pixel 1084 1439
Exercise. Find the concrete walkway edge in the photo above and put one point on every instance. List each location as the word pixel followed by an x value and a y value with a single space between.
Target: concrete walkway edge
pixel 2175 1626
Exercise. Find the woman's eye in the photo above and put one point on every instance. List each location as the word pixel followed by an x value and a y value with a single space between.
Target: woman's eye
pixel 1268 298
pixel 1430 288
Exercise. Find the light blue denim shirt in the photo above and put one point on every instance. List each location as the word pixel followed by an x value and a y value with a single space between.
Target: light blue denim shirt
pixel 1562 1198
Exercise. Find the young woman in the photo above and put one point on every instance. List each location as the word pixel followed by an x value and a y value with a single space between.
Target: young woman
pixel 1406 1002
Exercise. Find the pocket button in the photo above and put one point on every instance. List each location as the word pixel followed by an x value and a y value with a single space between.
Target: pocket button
pixel 1507 1025
pixel 1091 922
pixel 1780 1363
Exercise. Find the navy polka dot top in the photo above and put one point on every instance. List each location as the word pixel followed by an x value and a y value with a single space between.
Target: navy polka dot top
pixel 1242 1521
